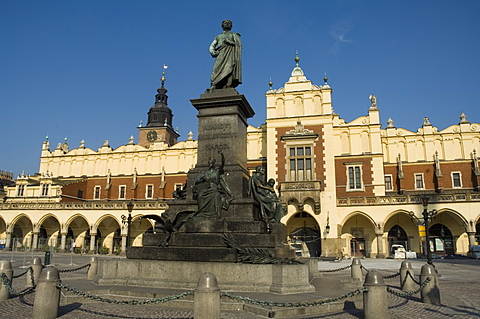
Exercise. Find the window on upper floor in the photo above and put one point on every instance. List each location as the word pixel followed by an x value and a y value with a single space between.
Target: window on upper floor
pixel 354 175
pixel 419 184
pixel 96 192
pixel 20 190
pixel 300 161
pixel 45 189
pixel 149 192
pixel 122 191
pixel 456 180
pixel 388 183
pixel 80 193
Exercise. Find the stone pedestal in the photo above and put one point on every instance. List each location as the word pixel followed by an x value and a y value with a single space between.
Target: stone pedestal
pixel 284 279
pixel 222 127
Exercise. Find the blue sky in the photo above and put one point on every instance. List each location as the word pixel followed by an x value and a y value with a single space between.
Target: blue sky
pixel 90 69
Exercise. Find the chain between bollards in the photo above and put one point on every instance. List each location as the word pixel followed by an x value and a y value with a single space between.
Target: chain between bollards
pixel 75 269
pixel 293 304
pixel 335 270
pixel 8 285
pixel 123 302
pixel 409 294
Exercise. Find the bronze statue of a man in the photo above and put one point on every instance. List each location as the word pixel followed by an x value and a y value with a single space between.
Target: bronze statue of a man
pixel 226 48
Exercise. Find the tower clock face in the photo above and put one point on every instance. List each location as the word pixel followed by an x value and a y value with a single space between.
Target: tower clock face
pixel 152 136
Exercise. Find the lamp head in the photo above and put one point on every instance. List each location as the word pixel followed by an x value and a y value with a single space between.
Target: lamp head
pixel 130 207
pixel 424 200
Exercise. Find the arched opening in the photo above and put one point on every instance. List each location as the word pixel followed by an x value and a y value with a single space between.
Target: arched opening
pixel 139 227
pixel 358 234
pixel 397 236
pixel 48 235
pixel 109 236
pixel 304 235
pixel 441 240
pixel 20 231
pixel 78 234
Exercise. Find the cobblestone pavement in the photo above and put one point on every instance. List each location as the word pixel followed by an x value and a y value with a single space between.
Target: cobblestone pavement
pixel 459 286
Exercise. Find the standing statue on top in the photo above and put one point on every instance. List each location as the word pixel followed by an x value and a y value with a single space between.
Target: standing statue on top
pixel 226 48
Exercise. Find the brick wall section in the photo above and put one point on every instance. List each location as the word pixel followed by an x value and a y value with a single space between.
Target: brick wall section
pixel 318 152
pixel 428 170
pixel 341 176
pixel 113 193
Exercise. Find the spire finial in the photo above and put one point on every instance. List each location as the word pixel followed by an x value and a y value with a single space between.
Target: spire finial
pixel 325 79
pixel 165 67
pixel 297 58
pixel 270 83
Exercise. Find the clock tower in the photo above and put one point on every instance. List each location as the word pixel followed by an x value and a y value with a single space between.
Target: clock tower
pixel 159 126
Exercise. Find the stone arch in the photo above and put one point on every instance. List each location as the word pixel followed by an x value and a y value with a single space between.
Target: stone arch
pixel 78 228
pixel 458 217
pixel 358 234
pixel 409 225
pixel 309 205
pixel 49 228
pixel 457 225
pixel 303 233
pixel 20 231
pixel 138 229
pixel 108 230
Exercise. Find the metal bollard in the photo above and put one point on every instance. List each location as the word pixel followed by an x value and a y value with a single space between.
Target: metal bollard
pixel 47 295
pixel 6 268
pixel 431 292
pixel 406 282
pixel 46 260
pixel 207 298
pixel 375 298
pixel 92 271
pixel 356 270
pixel 37 267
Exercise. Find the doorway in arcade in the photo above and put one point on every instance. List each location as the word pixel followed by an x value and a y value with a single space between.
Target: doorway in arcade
pixel 304 235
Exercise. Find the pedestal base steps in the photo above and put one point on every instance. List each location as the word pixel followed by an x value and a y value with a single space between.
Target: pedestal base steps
pixel 235 277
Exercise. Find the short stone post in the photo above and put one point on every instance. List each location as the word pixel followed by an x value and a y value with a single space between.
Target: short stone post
pixel 431 292
pixel 206 298
pixel 6 268
pixel 375 298
pixel 406 282
pixel 36 264
pixel 92 270
pixel 47 295
pixel 356 269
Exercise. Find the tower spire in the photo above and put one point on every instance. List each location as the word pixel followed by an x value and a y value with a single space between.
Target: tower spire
pixel 160 113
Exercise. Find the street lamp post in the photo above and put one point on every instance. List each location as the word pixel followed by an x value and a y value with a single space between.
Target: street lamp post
pixel 128 220
pixel 427 217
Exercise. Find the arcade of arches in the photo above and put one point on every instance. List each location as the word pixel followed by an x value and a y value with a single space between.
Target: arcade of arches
pixel 107 234
pixel 357 235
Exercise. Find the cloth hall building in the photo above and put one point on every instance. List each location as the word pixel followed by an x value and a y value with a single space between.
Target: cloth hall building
pixel 351 189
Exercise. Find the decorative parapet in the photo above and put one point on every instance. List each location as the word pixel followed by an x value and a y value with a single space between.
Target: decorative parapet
pixel 94 205
pixel 407 199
